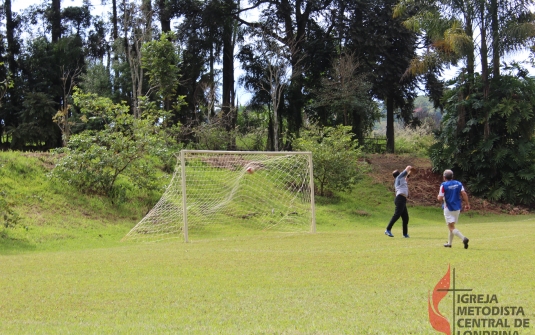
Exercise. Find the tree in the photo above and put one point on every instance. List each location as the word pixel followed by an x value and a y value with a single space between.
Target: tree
pixel 61 118
pixel 344 92
pixel 160 60
pixel 54 16
pixel 289 22
pixel 95 159
pixel 498 166
pixel 387 56
pixel 200 37
pixel 335 156
pixel 137 25
pixel 9 74
pixel 36 129
pixel 272 59
pixel 228 92
pixel 487 115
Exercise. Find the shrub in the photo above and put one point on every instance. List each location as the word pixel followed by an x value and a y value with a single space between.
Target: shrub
pixel 335 157
pixel 94 160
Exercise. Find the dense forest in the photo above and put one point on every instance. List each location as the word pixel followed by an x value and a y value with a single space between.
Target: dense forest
pixel 173 64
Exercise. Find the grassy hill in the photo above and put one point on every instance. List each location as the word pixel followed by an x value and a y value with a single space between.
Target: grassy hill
pixel 47 215
pixel 51 216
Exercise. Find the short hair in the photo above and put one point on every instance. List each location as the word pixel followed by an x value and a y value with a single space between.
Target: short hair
pixel 448 174
pixel 395 173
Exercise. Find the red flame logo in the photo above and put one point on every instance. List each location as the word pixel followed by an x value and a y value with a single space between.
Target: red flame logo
pixel 437 320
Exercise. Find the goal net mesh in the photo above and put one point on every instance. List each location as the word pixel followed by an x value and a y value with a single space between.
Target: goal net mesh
pixel 245 190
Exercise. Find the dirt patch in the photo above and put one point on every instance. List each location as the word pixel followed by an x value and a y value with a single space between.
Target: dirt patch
pixel 424 183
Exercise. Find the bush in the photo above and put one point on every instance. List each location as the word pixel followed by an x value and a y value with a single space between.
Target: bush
pixel 335 157
pixel 94 160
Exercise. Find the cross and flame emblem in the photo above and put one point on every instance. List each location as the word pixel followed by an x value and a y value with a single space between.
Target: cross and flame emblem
pixel 437 320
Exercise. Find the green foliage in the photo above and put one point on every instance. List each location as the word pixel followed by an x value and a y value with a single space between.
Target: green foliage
pixel 343 94
pixel 36 128
pixel 335 157
pixel 489 142
pixel 252 129
pixel 213 135
pixel 95 160
pixel 96 80
pixel 160 60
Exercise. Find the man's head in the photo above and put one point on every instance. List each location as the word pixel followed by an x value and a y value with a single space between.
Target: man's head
pixel 395 173
pixel 448 174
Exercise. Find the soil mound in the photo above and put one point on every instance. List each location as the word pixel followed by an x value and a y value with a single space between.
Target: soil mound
pixel 424 183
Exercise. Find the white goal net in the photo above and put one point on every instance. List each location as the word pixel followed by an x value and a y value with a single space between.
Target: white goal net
pixel 222 190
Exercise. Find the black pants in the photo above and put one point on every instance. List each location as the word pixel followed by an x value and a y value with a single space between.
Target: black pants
pixel 401 211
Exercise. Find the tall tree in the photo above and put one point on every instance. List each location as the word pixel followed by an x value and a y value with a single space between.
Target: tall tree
pixel 486 132
pixel 227 106
pixel 160 59
pixel 344 92
pixel 137 29
pixel 387 56
pixel 288 22
pixel 270 74
pixel 10 70
pixel 165 14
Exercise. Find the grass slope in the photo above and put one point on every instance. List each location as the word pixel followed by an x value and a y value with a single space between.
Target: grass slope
pixel 55 216
pixel 67 273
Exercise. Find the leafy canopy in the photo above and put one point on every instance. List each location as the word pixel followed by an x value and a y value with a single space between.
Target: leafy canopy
pixel 489 142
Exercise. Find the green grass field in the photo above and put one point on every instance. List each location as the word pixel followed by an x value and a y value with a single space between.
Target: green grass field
pixel 65 271
pixel 351 281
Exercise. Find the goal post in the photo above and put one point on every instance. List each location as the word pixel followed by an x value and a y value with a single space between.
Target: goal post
pixel 244 190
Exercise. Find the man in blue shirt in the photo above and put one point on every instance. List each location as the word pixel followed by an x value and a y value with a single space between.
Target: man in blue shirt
pixel 452 195
pixel 402 192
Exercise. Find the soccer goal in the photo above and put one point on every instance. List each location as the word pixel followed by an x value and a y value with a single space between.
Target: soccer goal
pixel 256 190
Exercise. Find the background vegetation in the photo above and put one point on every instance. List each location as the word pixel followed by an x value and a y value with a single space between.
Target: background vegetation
pixel 323 63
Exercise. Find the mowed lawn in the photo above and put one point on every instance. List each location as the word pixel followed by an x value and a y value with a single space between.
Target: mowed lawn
pixel 347 281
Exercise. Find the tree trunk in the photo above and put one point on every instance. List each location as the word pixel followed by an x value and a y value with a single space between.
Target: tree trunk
pixel 56 20
pixel 356 128
pixel 115 35
pixel 10 33
pixel 115 30
pixel 495 40
pixel 165 19
pixel 470 70
pixel 484 66
pixel 470 57
pixel 227 107
pixel 390 144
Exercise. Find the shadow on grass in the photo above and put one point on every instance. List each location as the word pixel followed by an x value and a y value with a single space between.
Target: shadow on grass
pixel 9 245
pixel 327 200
